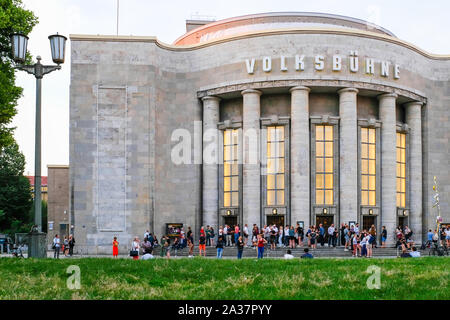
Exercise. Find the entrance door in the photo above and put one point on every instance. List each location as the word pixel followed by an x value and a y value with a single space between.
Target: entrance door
pixel 402 221
pixel 368 221
pixel 326 221
pixel 230 221
pixel 275 219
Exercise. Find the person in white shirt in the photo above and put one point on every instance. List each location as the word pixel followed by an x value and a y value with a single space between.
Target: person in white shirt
pixel 414 253
pixel 147 256
pixel 135 247
pixel 288 255
pixel 56 246
pixel 356 229
pixel 146 234
pixel 246 235
pixel 330 235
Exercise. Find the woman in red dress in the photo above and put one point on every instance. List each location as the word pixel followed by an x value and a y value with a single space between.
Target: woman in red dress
pixel 115 248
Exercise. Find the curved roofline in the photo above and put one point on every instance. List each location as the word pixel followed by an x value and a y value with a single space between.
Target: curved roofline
pixel 171 47
pixel 288 13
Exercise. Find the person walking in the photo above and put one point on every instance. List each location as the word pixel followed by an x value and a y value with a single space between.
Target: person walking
pixel 115 244
pixel 71 244
pixel 219 247
pixel 240 247
pixel 135 247
pixel 56 246
pixel 261 243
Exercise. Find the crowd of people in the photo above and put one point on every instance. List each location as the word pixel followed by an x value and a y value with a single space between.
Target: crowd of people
pixel 351 238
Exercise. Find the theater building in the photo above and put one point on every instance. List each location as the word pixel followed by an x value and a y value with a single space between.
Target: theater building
pixel 309 118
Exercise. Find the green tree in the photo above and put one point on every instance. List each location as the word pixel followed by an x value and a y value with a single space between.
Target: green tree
pixel 15 195
pixel 13 18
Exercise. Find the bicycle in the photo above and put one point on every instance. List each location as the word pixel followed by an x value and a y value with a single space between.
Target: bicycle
pixel 438 251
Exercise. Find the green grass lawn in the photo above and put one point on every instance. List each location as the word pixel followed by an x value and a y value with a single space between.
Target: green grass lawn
pixel 423 278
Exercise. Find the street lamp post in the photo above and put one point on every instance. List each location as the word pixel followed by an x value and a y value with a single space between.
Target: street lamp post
pixel 37 243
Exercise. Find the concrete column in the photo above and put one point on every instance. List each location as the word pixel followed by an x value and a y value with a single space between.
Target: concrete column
pixel 348 144
pixel 300 166
pixel 414 121
pixel 388 163
pixel 251 150
pixel 210 194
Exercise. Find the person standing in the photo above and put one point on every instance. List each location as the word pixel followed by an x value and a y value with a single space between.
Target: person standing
pixel 56 246
pixel 240 247
pixel 373 236
pixel 236 233
pixel 191 248
pixel 330 235
pixel 246 234
pixel 189 235
pixel 135 247
pixel 292 237
pixel 208 236
pixel 115 244
pixel 219 247
pixel 71 244
pixel 383 237
pixel 202 245
pixel 346 238
pixel 261 243
pixel 321 235
pixel 65 246
pixel 335 237
pixel 212 235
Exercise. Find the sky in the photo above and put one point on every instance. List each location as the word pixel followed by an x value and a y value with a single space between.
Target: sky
pixel 423 23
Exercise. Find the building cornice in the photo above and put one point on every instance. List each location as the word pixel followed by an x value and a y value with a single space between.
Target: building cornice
pixel 253 34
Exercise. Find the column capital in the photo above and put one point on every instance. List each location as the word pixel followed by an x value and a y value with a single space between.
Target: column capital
pixel 213 98
pixel 414 103
pixel 247 91
pixel 343 90
pixel 387 95
pixel 299 88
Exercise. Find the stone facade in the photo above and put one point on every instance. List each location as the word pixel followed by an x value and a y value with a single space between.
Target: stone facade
pixel 131 96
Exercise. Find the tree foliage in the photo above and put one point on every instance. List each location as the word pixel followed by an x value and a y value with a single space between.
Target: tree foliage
pixel 15 195
pixel 13 18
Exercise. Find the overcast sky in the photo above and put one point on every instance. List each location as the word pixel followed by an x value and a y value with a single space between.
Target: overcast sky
pixel 426 24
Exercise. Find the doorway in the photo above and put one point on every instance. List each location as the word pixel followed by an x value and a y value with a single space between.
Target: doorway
pixel 275 219
pixel 326 221
pixel 230 221
pixel 402 222
pixel 367 222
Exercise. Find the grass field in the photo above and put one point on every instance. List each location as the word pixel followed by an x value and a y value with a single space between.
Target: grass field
pixel 423 278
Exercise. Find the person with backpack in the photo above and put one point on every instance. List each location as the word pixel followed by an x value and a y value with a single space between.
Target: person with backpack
pixel 135 249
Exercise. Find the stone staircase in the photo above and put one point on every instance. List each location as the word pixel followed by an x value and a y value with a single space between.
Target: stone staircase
pixel 328 252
